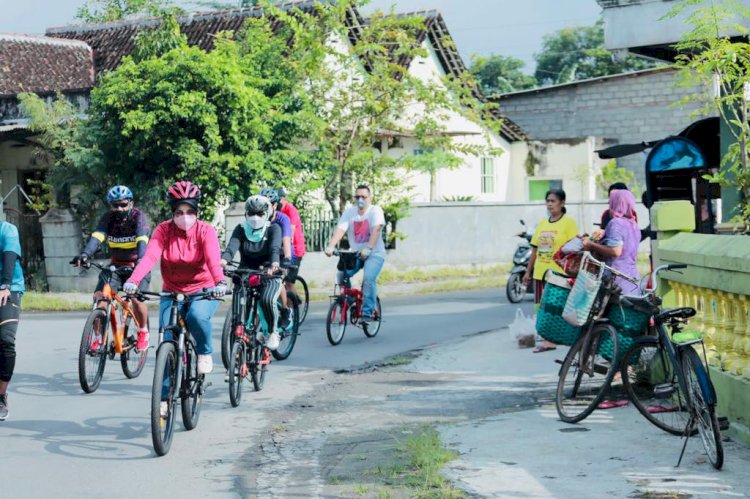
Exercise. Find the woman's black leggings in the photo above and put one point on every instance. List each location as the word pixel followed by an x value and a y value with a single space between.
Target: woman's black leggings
pixel 268 298
pixel 9 315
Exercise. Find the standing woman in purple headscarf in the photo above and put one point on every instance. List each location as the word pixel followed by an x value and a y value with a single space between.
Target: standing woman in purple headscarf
pixel 619 246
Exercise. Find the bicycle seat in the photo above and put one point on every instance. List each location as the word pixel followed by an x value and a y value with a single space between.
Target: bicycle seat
pixel 675 313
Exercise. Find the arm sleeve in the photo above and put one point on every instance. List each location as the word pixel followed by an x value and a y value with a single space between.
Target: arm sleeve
pixel 343 221
pixel 98 236
pixel 234 244
pixel 212 253
pixel 151 256
pixel 535 238
pixel 274 243
pixel 286 226
pixel 9 266
pixel 614 235
pixel 142 230
pixel 378 217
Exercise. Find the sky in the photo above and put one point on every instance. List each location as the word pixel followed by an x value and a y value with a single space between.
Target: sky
pixel 482 27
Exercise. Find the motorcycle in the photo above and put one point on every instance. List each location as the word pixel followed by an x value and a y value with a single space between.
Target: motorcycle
pixel 515 289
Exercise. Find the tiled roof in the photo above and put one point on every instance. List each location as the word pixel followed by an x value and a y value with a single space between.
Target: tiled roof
pixel 113 41
pixel 43 65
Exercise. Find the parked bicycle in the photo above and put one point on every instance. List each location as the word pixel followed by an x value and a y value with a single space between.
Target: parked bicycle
pixel 107 333
pixel 176 372
pixel 346 302
pixel 287 335
pixel 668 381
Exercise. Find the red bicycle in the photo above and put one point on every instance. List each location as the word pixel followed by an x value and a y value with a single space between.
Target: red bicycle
pixel 346 302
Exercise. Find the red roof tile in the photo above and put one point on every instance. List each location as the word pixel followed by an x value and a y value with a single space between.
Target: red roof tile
pixel 43 65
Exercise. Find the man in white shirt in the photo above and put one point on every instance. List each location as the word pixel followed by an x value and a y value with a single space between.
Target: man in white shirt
pixel 364 224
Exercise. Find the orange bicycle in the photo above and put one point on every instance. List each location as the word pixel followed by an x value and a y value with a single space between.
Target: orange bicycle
pixel 97 344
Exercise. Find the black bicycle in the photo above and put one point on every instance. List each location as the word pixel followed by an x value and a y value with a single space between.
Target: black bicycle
pixel 668 381
pixel 287 336
pixel 175 373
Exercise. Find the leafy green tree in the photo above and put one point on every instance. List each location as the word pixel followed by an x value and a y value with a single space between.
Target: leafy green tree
pixel 577 54
pixel 498 74
pixel 102 11
pixel 709 58
pixel 611 173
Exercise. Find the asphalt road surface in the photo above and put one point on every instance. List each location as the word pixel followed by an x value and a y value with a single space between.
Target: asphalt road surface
pixel 60 442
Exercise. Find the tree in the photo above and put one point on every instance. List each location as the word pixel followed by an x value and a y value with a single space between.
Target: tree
pixel 611 173
pixel 498 74
pixel 578 53
pixel 364 98
pixel 102 11
pixel 710 58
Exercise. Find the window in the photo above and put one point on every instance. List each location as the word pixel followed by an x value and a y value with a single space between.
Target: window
pixel 538 188
pixel 488 175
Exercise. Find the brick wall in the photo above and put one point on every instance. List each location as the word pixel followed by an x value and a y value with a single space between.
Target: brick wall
pixel 628 108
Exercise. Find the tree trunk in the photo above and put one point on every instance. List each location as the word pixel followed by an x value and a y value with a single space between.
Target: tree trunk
pixel 433 186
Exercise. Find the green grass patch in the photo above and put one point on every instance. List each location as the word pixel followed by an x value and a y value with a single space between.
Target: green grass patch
pixel 53 302
pixel 390 276
pixel 425 457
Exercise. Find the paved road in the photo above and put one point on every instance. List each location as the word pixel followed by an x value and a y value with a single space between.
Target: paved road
pixel 59 442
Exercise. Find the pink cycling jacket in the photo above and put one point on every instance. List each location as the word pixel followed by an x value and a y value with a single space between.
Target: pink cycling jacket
pixel 190 261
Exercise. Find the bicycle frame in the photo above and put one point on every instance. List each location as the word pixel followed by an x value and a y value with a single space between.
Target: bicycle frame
pixel 346 290
pixel 112 299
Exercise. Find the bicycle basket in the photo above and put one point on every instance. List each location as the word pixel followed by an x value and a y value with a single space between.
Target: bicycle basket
pixel 630 323
pixel 347 261
pixel 549 322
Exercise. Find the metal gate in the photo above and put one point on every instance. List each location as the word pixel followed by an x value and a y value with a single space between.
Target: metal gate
pixel 32 246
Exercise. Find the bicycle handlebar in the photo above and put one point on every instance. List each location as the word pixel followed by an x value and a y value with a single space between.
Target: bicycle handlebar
pixel 180 297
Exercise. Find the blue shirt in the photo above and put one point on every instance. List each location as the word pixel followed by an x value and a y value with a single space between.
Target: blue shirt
pixel 9 241
pixel 286 228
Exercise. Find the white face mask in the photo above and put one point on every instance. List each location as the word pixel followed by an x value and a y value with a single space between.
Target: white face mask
pixel 255 221
pixel 185 222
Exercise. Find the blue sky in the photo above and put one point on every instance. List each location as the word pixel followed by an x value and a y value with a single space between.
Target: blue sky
pixel 507 27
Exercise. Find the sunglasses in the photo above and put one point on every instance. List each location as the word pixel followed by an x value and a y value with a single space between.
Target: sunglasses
pixel 188 212
pixel 255 213
pixel 361 197
pixel 120 205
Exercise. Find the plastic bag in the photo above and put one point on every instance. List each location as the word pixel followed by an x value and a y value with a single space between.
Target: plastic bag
pixel 523 329
pixel 568 257
pixel 582 296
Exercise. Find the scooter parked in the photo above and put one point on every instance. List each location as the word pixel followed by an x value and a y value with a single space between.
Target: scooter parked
pixel 515 289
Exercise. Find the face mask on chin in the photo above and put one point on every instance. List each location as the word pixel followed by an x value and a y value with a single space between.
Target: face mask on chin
pixel 121 215
pixel 362 203
pixel 185 222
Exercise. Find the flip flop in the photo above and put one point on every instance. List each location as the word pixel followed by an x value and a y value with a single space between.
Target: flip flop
pixel 657 409
pixel 611 404
pixel 544 349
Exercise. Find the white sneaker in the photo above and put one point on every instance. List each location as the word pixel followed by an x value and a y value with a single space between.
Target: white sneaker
pixel 205 364
pixel 273 341
pixel 163 409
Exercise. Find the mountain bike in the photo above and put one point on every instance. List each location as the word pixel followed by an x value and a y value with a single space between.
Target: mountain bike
pixel 303 297
pixel 346 302
pixel 107 333
pixel 287 335
pixel 175 372
pixel 668 381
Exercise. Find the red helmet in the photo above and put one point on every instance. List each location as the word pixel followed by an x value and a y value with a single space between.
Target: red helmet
pixel 183 191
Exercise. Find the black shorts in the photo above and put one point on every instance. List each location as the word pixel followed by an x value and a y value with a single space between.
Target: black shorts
pixel 293 271
pixel 118 280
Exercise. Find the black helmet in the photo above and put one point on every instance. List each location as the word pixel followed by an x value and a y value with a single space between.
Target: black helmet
pixel 271 194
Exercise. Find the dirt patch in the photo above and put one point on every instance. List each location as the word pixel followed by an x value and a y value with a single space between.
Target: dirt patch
pixel 344 439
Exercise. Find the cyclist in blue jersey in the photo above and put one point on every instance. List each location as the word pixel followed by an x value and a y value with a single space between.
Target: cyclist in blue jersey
pixel 126 230
pixel 11 290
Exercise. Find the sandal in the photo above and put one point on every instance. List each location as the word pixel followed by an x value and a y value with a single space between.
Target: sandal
pixel 658 409
pixel 544 349
pixel 611 404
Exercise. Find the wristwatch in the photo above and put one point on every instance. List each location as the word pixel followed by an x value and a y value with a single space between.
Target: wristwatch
pixel 4 287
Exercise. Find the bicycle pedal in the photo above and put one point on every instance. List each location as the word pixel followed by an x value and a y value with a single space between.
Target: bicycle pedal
pixel 558 361
pixel 664 390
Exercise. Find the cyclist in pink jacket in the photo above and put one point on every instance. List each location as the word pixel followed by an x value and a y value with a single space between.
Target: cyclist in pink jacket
pixel 190 262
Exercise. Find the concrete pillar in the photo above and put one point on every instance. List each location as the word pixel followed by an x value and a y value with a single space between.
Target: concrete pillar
pixel 61 233
pixel 233 216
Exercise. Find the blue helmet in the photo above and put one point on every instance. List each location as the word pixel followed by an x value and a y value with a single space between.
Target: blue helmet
pixel 119 192
pixel 271 194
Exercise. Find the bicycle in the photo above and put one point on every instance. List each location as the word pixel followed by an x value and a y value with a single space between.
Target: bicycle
pixel 302 297
pixel 287 336
pixel 668 381
pixel 247 356
pixel 176 368
pixel 116 316
pixel 346 303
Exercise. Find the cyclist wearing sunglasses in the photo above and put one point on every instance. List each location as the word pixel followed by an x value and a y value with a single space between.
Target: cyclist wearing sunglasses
pixel 125 229
pixel 364 224
pixel 259 241
pixel 190 262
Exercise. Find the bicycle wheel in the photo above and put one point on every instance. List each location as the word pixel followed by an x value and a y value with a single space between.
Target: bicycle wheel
pixel 650 381
pixel 288 336
pixel 372 328
pixel 304 298
pixel 585 376
pixel 132 361
pixel 237 371
pixel 514 289
pixel 163 388
pixel 91 361
pixel 226 339
pixel 191 389
pixel 336 322
pixel 701 396
pixel 260 366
